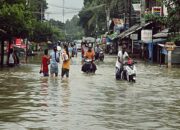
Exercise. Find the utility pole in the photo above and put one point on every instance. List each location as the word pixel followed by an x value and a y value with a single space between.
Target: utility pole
pixel 63 11
pixel 130 6
pixel 143 6
pixel 63 18
pixel 41 12
pixel 125 13
pixel 107 16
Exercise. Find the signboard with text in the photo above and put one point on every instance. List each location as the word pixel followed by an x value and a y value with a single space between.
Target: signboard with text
pixel 156 10
pixel 146 35
pixel 18 41
pixel 134 36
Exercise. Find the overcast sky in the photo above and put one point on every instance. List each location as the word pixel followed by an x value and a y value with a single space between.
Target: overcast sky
pixel 55 9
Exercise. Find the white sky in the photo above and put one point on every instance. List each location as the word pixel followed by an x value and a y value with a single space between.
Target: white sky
pixel 55 9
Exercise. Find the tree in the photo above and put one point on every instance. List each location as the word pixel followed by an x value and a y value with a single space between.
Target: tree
pixel 170 21
pixel 15 20
pixel 173 18
pixel 37 8
pixel 93 17
pixel 73 30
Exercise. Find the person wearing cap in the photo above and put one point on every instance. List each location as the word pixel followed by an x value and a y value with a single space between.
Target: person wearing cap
pixel 54 61
pixel 122 55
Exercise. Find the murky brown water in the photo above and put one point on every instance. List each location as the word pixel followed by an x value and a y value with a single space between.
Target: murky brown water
pixel 89 102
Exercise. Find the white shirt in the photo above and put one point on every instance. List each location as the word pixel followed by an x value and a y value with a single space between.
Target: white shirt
pixel 122 58
pixel 11 59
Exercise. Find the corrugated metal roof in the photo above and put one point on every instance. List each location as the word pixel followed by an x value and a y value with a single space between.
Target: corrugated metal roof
pixel 163 34
pixel 133 29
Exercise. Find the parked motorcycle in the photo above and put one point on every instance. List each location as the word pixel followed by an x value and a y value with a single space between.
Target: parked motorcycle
pixel 128 72
pixel 88 66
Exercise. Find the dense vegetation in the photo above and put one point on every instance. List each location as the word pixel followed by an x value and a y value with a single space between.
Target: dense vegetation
pixel 170 21
pixel 26 19
pixel 96 13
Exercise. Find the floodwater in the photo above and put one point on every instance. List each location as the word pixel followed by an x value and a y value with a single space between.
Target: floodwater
pixel 89 102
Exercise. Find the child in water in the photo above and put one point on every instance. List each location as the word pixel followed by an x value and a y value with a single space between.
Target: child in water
pixel 44 63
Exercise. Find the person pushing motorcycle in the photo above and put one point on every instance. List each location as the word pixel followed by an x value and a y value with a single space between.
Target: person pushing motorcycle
pixel 122 55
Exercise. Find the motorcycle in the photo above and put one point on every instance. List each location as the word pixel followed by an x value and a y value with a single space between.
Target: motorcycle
pixel 88 66
pixel 128 72
pixel 101 56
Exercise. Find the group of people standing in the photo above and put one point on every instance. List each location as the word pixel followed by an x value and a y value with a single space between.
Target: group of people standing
pixel 54 61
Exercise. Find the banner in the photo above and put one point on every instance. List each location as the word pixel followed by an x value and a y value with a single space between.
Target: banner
pixel 18 41
pixel 157 11
pixel 146 35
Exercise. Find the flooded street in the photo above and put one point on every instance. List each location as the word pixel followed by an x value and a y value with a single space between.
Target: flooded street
pixel 89 102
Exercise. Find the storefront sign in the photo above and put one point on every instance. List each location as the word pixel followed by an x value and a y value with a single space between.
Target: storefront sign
pixel 18 41
pixel 170 46
pixel 156 10
pixel 134 36
pixel 146 35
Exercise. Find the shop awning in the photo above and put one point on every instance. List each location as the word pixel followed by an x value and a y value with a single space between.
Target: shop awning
pixel 112 36
pixel 143 25
pixel 133 29
pixel 163 34
pixel 154 41
pixel 129 31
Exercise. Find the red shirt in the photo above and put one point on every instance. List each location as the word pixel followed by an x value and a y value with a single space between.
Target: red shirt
pixel 45 61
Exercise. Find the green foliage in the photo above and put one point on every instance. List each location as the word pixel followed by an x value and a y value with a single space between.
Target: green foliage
pixel 136 1
pixel 173 17
pixel 175 38
pixel 73 30
pixel 172 20
pixel 21 19
pixel 36 7
pixel 93 16
pixel 156 19
pixel 14 20
pixel 58 24
pixel 46 31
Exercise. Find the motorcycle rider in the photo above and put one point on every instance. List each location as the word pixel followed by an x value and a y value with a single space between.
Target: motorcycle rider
pixel 90 56
pixel 97 51
pixel 89 53
pixel 122 55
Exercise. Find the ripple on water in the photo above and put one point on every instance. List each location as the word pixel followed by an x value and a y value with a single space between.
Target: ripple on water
pixel 92 102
